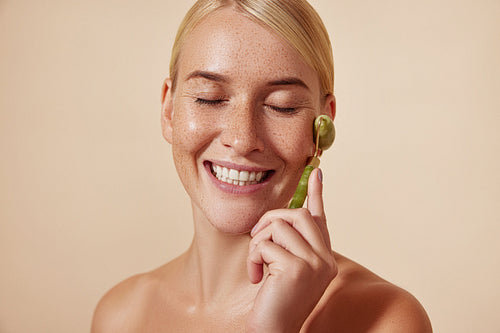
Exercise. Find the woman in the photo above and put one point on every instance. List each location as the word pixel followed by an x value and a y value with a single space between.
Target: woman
pixel 247 79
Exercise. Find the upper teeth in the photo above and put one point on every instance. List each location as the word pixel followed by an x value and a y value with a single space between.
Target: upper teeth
pixel 237 177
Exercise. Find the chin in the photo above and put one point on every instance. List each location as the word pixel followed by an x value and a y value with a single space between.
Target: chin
pixel 234 222
pixel 232 229
pixel 235 219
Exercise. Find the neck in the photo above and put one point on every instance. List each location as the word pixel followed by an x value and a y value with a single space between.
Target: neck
pixel 218 263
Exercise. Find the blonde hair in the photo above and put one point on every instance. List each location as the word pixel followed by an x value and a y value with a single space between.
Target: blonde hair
pixel 295 21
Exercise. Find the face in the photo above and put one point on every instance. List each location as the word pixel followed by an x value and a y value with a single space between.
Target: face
pixel 240 120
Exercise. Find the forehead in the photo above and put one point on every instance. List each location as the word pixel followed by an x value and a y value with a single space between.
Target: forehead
pixel 229 43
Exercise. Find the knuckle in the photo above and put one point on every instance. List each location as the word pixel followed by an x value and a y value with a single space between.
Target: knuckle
pixel 331 269
pixel 304 212
pixel 334 270
pixel 324 268
pixel 266 214
pixel 278 224
pixel 300 268
pixel 252 244
pixel 263 245
pixel 316 263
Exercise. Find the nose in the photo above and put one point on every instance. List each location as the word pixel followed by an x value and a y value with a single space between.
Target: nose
pixel 242 130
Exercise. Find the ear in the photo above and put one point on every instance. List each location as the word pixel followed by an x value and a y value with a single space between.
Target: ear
pixel 167 110
pixel 330 106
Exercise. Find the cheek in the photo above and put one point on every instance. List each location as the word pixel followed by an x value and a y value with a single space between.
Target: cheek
pixel 191 132
pixel 294 141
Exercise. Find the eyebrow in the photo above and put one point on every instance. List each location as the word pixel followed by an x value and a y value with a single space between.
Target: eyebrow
pixel 207 75
pixel 287 81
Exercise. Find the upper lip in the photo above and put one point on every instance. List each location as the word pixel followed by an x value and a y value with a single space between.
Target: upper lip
pixel 241 167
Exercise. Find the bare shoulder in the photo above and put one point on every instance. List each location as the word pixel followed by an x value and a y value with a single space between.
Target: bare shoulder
pixel 124 308
pixel 119 309
pixel 360 301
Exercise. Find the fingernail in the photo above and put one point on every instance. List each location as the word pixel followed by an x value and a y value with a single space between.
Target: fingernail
pixel 320 175
pixel 253 230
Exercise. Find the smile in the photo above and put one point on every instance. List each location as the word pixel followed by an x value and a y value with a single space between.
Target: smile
pixel 238 177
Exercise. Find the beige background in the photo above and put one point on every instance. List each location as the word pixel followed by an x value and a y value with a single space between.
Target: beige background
pixel 89 195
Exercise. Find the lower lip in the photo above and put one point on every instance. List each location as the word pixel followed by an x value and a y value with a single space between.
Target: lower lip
pixel 236 189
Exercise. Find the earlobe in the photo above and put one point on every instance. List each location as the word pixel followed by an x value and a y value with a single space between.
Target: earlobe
pixel 166 110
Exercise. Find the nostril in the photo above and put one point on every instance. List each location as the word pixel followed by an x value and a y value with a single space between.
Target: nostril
pixel 245 143
pixel 243 137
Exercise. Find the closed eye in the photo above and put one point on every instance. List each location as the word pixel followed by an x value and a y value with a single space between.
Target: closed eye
pixel 283 110
pixel 219 101
pixel 203 101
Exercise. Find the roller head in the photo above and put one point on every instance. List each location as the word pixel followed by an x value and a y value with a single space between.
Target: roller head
pixel 326 131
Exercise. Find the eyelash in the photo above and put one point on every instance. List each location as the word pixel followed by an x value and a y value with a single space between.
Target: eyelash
pixel 215 102
pixel 209 101
pixel 283 110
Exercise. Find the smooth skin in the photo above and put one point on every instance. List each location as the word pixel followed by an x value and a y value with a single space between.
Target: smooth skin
pixel 244 99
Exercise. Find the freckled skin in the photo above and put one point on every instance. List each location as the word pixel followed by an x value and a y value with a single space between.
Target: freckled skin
pixel 214 286
pixel 244 131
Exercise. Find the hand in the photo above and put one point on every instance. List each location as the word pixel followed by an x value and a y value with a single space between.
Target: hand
pixel 295 245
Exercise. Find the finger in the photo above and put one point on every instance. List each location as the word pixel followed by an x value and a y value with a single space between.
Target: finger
pixel 315 203
pixel 255 268
pixel 315 193
pixel 270 253
pixel 301 220
pixel 283 234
